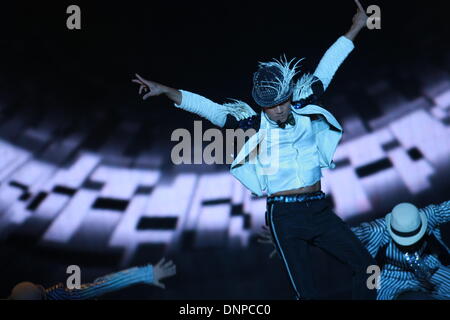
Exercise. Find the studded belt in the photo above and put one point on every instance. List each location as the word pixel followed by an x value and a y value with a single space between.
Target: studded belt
pixel 301 197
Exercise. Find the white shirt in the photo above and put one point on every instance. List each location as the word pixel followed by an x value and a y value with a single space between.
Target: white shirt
pixel 327 133
pixel 293 153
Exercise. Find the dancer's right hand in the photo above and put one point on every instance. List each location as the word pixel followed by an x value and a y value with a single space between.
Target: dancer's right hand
pixel 150 88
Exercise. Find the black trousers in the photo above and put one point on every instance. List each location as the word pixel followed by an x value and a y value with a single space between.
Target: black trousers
pixel 297 226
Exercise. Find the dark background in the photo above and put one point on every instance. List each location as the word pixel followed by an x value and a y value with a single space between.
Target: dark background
pixel 212 49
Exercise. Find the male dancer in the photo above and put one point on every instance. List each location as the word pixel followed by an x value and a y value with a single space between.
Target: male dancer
pixel 297 212
pixel 147 274
pixel 408 247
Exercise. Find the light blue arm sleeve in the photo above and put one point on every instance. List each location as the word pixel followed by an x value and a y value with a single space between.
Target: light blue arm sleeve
pixel 204 107
pixel 332 59
pixel 103 285
pixel 133 275
pixel 212 111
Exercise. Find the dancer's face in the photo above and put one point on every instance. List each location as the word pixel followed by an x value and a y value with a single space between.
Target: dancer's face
pixel 414 247
pixel 279 112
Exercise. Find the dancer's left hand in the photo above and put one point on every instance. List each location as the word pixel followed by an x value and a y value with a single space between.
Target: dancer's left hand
pixel 360 18
pixel 163 270
pixel 266 237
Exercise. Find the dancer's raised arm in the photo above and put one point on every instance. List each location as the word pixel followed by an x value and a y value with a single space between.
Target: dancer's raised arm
pixel 359 22
pixel 192 102
pixel 339 51
pixel 153 89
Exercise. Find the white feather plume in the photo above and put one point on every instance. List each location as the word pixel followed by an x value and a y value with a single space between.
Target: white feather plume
pixel 302 88
pixel 288 72
pixel 238 109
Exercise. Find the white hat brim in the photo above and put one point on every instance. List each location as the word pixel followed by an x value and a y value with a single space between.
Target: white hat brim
pixel 407 241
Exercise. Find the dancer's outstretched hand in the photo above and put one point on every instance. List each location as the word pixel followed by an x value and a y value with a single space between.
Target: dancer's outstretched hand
pixel 150 88
pixel 266 237
pixel 360 18
pixel 163 270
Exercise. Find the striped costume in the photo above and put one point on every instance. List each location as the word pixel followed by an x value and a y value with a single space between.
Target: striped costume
pixel 397 276
pixel 100 286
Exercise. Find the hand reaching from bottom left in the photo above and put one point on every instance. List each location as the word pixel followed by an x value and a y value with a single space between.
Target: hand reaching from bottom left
pixel 163 270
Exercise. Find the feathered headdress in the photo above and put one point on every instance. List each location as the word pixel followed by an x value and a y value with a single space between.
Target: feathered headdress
pixel 273 83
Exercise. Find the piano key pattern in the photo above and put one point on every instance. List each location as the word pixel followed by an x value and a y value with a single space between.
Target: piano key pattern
pixel 73 189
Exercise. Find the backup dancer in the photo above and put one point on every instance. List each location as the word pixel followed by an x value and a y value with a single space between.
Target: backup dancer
pixel 147 274
pixel 408 247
